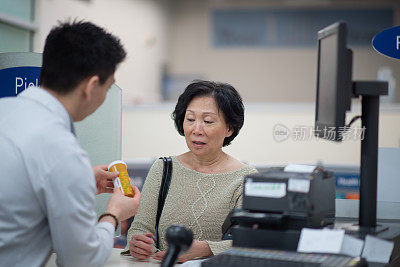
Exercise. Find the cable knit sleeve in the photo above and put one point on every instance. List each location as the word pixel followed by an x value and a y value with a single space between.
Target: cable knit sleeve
pixel 145 219
pixel 219 246
pixel 236 202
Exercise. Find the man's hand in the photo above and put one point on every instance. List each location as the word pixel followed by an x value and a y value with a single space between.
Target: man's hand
pixel 104 179
pixel 122 206
pixel 198 249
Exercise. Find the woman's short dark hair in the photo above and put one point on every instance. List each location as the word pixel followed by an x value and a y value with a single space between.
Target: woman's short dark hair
pixel 228 101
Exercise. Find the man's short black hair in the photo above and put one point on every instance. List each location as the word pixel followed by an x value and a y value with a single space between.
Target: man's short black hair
pixel 228 101
pixel 76 50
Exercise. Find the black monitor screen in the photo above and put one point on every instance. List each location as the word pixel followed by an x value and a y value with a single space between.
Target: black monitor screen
pixel 333 82
pixel 327 80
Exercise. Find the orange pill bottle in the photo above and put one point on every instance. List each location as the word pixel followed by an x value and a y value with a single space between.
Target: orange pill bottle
pixel 122 181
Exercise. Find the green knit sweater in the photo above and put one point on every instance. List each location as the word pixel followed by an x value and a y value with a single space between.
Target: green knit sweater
pixel 199 201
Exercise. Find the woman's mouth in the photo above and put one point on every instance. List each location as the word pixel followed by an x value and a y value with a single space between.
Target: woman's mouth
pixel 198 143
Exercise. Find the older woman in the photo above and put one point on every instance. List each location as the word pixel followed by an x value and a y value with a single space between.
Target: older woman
pixel 206 182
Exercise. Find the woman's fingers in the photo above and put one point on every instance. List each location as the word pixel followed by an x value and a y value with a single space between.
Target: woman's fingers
pixel 139 256
pixel 140 245
pixel 146 238
pixel 148 249
pixel 159 255
pixel 141 251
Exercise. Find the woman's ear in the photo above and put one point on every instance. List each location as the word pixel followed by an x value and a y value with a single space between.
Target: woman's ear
pixel 91 84
pixel 229 132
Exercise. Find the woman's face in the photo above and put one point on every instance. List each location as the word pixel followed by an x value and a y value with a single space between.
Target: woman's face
pixel 204 126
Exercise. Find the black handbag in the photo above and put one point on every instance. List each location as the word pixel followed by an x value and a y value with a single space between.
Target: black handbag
pixel 162 195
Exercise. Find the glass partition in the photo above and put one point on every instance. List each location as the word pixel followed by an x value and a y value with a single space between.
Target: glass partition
pixel 100 135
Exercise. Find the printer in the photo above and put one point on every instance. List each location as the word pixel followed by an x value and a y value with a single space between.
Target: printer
pixel 278 203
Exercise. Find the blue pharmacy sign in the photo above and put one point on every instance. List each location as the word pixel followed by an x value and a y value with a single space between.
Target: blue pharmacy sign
pixel 15 80
pixel 18 71
pixel 387 42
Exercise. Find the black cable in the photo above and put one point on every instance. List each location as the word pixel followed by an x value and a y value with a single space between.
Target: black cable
pixel 353 120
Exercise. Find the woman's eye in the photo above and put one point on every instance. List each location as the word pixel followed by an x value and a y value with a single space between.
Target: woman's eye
pixel 208 122
pixel 190 119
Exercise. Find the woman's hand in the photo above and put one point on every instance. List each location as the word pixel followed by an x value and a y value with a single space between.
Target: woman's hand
pixel 198 249
pixel 140 246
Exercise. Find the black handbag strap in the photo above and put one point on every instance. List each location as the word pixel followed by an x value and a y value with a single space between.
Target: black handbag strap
pixel 162 195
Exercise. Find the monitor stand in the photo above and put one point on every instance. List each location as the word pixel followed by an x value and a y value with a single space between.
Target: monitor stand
pixel 353 228
pixel 369 92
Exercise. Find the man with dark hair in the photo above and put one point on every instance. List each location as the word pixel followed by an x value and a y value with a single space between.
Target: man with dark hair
pixel 47 196
pixel 73 52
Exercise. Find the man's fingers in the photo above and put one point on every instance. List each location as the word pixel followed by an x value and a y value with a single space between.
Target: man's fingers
pixel 109 183
pixel 135 189
pixel 108 190
pixel 116 191
pixel 111 175
pixel 136 192
pixel 103 167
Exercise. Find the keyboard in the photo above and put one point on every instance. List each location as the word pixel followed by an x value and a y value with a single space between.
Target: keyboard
pixel 244 257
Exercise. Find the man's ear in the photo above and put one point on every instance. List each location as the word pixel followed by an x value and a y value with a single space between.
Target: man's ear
pixel 91 84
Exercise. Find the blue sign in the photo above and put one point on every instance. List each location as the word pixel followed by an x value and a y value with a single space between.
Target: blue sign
pixel 15 80
pixel 347 180
pixel 387 42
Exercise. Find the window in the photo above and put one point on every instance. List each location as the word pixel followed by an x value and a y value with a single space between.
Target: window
pixel 17 25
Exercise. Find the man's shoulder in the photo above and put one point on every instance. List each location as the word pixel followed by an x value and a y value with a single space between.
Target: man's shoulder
pixel 57 141
pixel 49 141
pixel 26 117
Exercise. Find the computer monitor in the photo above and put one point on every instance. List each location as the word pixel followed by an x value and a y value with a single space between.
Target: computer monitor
pixel 335 89
pixel 334 84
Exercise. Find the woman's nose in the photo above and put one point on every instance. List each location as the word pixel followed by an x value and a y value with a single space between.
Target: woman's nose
pixel 198 128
